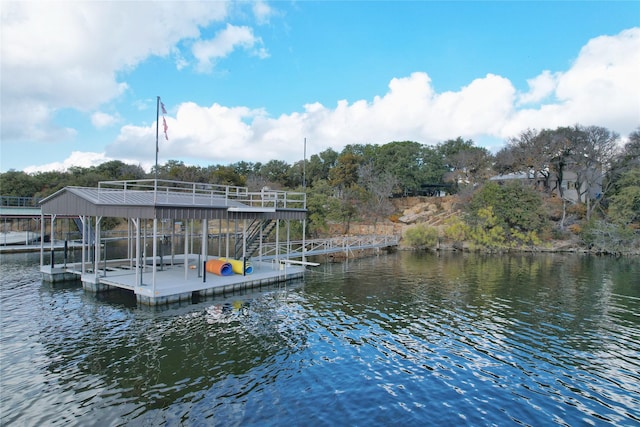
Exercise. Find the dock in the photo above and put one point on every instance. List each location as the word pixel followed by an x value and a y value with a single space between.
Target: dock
pixel 173 283
pixel 246 219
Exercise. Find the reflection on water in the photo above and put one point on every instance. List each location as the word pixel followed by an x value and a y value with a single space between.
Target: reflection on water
pixel 406 338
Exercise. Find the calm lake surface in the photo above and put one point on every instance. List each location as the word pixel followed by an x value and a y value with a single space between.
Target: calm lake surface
pixel 402 339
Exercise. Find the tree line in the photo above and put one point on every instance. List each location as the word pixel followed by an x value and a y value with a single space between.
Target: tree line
pixel 358 182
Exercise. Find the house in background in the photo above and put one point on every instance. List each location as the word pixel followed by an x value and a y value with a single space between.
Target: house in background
pixel 573 187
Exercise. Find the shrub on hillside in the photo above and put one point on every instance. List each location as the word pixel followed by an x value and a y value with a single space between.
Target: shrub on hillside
pixel 606 237
pixel 421 236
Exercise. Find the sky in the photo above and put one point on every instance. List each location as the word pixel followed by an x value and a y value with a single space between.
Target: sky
pixel 260 81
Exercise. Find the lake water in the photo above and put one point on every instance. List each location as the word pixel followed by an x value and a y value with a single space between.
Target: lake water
pixel 402 339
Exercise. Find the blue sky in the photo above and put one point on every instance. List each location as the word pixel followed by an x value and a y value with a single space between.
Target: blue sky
pixel 251 80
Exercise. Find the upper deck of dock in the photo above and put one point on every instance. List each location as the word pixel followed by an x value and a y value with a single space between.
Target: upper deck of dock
pixel 164 199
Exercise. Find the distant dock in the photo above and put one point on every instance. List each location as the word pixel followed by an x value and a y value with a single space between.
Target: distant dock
pixel 57 246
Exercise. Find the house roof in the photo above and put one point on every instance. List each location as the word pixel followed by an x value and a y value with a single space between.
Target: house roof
pixel 508 176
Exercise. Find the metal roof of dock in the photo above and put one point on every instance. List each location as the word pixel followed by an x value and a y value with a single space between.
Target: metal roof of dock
pixel 174 199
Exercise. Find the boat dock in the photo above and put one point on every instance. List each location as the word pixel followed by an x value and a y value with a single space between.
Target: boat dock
pixel 190 210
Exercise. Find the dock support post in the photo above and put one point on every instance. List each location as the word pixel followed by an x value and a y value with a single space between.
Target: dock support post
pixel 83 248
pixel 186 249
pixel 227 239
pixel 136 225
pixel 154 254
pixel 288 238
pixel 41 239
pixel 277 238
pixel 52 239
pixel 304 243
pixel 96 253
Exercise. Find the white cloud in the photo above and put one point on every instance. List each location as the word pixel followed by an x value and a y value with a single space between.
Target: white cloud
pixel 409 110
pixel 77 158
pixel 103 120
pixel 225 42
pixel 540 87
pixel 601 88
pixel 262 11
pixel 59 55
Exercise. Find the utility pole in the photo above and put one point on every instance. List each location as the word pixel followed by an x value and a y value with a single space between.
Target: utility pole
pixel 304 166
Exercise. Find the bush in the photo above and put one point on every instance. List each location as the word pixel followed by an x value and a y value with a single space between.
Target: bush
pixel 514 206
pixel 487 232
pixel 421 236
pixel 456 229
pixel 605 237
pixel 579 210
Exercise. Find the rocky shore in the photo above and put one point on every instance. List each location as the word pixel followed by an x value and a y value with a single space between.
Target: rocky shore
pixel 435 211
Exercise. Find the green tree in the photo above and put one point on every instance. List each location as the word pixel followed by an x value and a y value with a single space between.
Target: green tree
pixel 345 173
pixel 433 167
pixel 275 173
pixel 404 161
pixel 225 175
pixel 627 159
pixel 321 207
pixel 603 236
pixel 513 209
pixel 319 165
pixel 18 184
pixel 624 206
pixel 465 163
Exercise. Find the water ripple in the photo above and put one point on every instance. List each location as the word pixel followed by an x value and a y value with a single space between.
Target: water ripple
pixel 401 339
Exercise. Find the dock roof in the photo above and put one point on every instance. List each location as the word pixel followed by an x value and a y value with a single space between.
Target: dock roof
pixel 174 199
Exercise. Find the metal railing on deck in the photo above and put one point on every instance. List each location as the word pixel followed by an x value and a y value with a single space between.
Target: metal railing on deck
pixel 19 202
pixel 196 193
pixel 347 244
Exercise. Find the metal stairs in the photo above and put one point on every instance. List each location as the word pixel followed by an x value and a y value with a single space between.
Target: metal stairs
pixel 257 228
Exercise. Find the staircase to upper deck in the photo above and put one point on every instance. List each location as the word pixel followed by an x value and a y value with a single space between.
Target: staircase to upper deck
pixel 257 233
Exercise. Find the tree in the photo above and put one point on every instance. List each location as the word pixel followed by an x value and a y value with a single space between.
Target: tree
pixel 319 165
pixel 586 151
pixel 513 209
pixel 471 167
pixel 433 167
pixel 379 188
pixel 403 160
pixel 593 154
pixel 529 152
pixel 18 184
pixel 275 173
pixel 225 175
pixel 321 206
pixel 466 164
pixel 421 236
pixel 345 173
pixel 627 159
pixel 624 207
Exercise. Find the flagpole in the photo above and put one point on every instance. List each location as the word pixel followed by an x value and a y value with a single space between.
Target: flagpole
pixel 157 129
